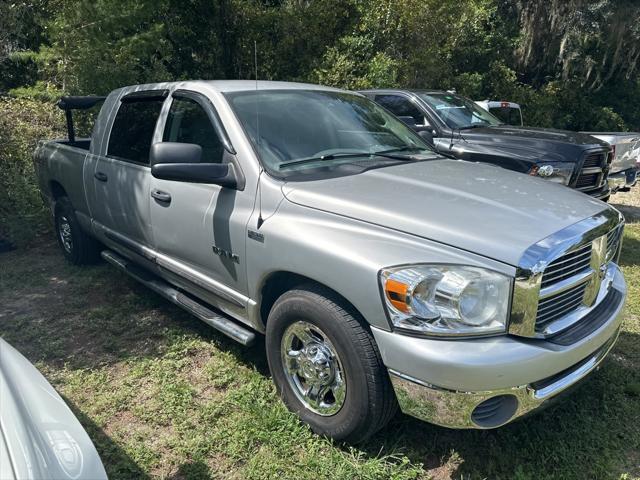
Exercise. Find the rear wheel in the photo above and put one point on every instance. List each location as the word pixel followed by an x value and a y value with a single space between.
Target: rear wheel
pixel 77 247
pixel 326 365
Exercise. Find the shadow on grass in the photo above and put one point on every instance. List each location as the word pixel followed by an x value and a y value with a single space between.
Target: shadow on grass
pixel 119 464
pixel 192 471
pixel 93 316
pixel 631 212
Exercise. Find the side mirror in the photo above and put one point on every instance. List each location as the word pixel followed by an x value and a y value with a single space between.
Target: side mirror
pixel 180 162
pixel 174 152
pixel 427 135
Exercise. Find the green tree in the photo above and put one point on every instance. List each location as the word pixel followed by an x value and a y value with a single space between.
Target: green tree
pixel 573 64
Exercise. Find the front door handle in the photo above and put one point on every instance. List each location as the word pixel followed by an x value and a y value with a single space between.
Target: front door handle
pixel 161 196
pixel 100 176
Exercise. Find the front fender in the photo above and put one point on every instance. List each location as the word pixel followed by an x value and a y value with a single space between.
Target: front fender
pixel 343 254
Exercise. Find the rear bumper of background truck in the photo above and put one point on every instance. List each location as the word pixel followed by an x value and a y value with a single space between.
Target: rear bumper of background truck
pixel 486 383
pixel 623 180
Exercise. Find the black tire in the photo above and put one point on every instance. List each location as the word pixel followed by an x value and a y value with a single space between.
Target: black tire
pixel 369 402
pixel 77 247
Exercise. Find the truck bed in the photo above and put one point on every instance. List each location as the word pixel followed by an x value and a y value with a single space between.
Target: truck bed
pixel 82 143
pixel 61 162
pixel 627 147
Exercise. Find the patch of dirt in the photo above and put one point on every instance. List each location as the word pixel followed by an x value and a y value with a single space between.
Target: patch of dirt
pixel 197 376
pixel 121 422
pixel 438 469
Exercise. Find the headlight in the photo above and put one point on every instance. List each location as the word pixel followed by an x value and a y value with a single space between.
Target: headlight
pixel 446 299
pixel 557 172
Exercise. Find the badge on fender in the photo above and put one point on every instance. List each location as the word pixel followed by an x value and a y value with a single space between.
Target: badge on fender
pixel 225 254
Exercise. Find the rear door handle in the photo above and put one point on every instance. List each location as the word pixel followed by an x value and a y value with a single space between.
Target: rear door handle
pixel 161 196
pixel 100 176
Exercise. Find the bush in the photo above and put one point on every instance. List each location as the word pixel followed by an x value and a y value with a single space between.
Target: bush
pixel 23 123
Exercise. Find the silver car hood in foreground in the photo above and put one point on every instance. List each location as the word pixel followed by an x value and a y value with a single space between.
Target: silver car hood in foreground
pixel 40 438
pixel 476 207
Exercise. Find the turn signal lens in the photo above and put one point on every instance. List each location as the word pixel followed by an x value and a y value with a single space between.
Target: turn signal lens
pixel 397 294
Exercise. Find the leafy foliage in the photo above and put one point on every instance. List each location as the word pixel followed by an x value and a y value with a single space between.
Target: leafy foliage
pixel 22 123
pixel 572 64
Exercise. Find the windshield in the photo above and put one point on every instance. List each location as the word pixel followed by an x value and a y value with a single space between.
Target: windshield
pixel 458 112
pixel 304 131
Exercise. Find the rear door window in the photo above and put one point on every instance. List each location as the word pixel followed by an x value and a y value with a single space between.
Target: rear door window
pixel 133 128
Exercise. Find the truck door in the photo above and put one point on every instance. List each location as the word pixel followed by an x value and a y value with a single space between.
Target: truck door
pixel 199 230
pixel 122 176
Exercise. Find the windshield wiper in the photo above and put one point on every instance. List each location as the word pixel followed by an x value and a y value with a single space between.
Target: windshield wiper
pixel 332 156
pixel 474 125
pixel 399 149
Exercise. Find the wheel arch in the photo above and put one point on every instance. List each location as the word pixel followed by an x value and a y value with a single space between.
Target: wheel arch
pixel 57 190
pixel 279 282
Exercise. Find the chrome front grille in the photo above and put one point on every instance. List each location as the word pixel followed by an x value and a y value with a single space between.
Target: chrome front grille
pixel 597 159
pixel 557 306
pixel 594 169
pixel 563 278
pixel 568 265
pixel 588 180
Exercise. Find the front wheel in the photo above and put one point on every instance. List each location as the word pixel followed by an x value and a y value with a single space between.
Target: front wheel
pixel 326 365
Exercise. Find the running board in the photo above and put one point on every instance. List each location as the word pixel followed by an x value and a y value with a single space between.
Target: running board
pixel 224 325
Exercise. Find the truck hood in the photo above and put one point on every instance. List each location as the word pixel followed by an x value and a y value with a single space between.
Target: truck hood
pixel 533 133
pixel 533 143
pixel 476 207
pixel 39 435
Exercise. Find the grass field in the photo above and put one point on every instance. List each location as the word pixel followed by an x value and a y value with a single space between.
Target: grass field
pixel 162 395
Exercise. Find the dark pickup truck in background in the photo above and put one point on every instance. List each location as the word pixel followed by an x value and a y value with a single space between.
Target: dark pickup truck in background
pixel 459 127
pixel 623 169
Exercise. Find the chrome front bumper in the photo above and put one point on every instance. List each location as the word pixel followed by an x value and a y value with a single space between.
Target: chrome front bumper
pixel 454 409
pixel 486 383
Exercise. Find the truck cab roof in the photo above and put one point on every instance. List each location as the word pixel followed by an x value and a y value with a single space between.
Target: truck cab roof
pixel 224 86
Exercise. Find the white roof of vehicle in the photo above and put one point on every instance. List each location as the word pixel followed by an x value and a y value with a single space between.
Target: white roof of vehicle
pixel 231 85
pixel 498 104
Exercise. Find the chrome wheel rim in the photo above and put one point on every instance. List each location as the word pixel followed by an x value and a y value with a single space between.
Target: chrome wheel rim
pixel 64 230
pixel 313 368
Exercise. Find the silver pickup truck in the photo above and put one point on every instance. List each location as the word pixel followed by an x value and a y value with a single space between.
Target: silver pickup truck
pixel 623 173
pixel 380 273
